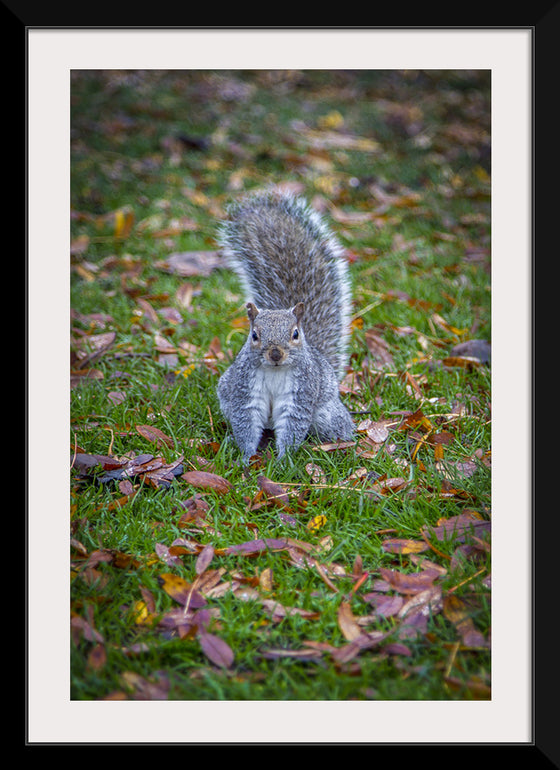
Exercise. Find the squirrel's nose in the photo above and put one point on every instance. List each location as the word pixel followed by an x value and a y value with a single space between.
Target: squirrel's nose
pixel 275 354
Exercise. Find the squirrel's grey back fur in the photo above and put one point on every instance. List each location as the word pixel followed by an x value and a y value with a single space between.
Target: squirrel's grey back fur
pixel 284 254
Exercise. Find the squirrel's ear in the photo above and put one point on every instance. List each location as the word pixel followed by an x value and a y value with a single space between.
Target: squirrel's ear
pixel 252 311
pixel 297 310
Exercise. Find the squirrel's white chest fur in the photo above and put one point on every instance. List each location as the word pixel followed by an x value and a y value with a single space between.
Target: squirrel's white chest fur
pixel 272 395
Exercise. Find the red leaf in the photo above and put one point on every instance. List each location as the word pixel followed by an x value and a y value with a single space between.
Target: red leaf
pixel 206 480
pixel 255 546
pixel 155 435
pixel 409 584
pixel 204 558
pixel 216 650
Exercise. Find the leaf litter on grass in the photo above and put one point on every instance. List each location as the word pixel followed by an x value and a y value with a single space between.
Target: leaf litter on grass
pixel 408 599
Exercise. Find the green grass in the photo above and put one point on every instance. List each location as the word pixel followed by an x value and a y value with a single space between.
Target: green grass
pixel 423 257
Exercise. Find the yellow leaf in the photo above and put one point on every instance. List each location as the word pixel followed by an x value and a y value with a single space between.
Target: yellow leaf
pixel 317 522
pixel 404 545
pixel 124 219
pixel 141 613
pixel 332 120
pixel 266 580
pixel 119 222
pixel 347 622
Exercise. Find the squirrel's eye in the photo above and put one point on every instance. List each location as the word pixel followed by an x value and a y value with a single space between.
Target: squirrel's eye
pixel 295 334
pixel 255 337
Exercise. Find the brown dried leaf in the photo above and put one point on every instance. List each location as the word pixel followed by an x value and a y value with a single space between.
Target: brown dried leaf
pixel 189 263
pixel 279 611
pixel 458 613
pixel 347 622
pixel 207 480
pixel 155 688
pixel 169 558
pixel 458 528
pixel 426 602
pixel 273 491
pixel 379 349
pixel 97 657
pixel 388 486
pixel 465 362
pixel 162 477
pixel 317 474
pixel 363 642
pixel 82 627
pixel 475 687
pixel 92 347
pixel 305 654
pixel 155 435
pixel 409 583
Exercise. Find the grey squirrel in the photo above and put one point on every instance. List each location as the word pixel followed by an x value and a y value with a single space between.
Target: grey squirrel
pixel 297 289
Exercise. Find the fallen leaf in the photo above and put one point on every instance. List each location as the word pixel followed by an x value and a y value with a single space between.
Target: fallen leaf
pixel 347 622
pixel 189 263
pixel 178 622
pixel 204 558
pixel 207 480
pixel 163 553
pixel 426 602
pixel 279 611
pixel 418 420
pixel 79 245
pixel 363 642
pixel 124 219
pixel 465 362
pixel 82 627
pixel 408 583
pixel 386 486
pixel 155 435
pixel 305 654
pixel 397 648
pixel 216 650
pixel 251 547
pixel 155 688
pixel 379 349
pixel 97 657
pixel 401 545
pixel 458 528
pixel 377 432
pixel 458 613
pixel 273 491
pixel 385 605
pixel 443 324
pixel 479 350
pixel 266 581
pixel 182 592
pixel 163 476
pixel 317 522
pixel 317 474
pixel 91 348
pixel 141 613
pixel 475 687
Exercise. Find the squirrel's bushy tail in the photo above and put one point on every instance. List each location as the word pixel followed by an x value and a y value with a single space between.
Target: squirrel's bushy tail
pixel 284 254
